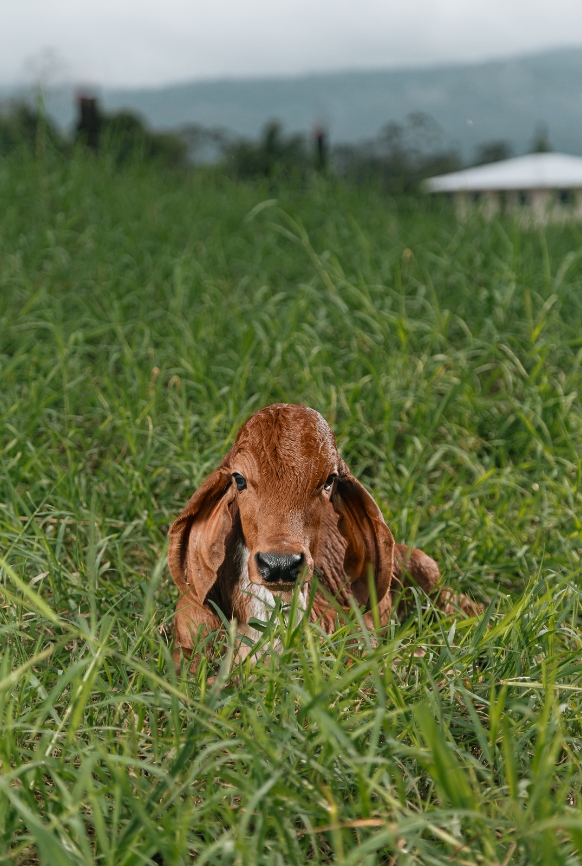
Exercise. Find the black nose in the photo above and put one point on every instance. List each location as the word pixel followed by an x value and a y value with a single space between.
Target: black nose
pixel 279 567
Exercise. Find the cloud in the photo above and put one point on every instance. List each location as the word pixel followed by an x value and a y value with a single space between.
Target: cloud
pixel 135 42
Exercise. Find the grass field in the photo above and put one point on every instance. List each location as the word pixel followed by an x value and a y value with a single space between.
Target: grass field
pixel 143 317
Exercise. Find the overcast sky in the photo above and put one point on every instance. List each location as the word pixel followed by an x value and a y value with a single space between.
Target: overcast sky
pixel 137 42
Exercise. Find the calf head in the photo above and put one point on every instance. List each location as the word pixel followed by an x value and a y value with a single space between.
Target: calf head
pixel 264 505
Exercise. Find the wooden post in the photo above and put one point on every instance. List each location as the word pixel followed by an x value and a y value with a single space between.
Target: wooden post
pixel 89 123
pixel 321 149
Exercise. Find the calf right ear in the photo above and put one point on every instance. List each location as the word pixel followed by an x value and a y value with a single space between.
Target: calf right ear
pixel 369 542
pixel 198 535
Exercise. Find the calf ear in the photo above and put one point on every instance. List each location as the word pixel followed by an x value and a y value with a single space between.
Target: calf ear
pixel 198 536
pixel 369 542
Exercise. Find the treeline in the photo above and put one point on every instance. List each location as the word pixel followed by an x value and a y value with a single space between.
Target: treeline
pixel 397 160
pixel 122 136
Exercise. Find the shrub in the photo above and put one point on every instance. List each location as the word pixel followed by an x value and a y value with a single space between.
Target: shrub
pixel 24 126
pixel 400 158
pixel 493 151
pixel 125 137
pixel 274 156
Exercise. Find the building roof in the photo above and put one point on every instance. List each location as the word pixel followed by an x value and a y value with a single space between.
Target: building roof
pixel 535 171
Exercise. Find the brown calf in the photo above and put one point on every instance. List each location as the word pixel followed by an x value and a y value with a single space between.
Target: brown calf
pixel 281 506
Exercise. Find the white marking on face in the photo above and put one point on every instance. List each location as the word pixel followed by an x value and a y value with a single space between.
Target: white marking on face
pixel 256 600
pixel 259 601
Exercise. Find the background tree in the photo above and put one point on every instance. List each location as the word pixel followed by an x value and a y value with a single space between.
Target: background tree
pixel 493 151
pixel 541 140
pixel 275 155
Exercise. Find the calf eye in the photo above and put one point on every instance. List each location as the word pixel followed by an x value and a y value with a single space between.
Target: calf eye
pixel 329 483
pixel 239 481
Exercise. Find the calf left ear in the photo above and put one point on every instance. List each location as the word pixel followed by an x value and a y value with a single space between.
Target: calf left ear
pixel 369 542
pixel 198 536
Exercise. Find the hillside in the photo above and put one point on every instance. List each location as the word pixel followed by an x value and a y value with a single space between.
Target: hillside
pixel 472 103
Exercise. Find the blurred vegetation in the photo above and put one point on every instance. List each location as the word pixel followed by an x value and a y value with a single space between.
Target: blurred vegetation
pixel 274 156
pixel 25 127
pixel 493 151
pixel 123 136
pixel 541 140
pixel 204 146
pixel 396 161
pixel 400 158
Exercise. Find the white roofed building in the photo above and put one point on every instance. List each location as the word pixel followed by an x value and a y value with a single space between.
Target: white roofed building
pixel 544 186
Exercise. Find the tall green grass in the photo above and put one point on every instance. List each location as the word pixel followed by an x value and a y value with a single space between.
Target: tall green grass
pixel 143 317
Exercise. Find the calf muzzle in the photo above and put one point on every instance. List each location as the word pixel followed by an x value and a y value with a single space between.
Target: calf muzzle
pixel 279 568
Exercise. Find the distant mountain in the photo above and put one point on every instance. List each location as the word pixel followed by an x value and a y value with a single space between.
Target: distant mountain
pixel 501 99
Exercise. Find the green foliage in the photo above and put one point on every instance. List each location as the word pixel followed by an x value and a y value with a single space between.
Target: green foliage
pixel 274 156
pixel 143 317
pixel 541 140
pixel 23 127
pixel 493 151
pixel 400 158
pixel 124 136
